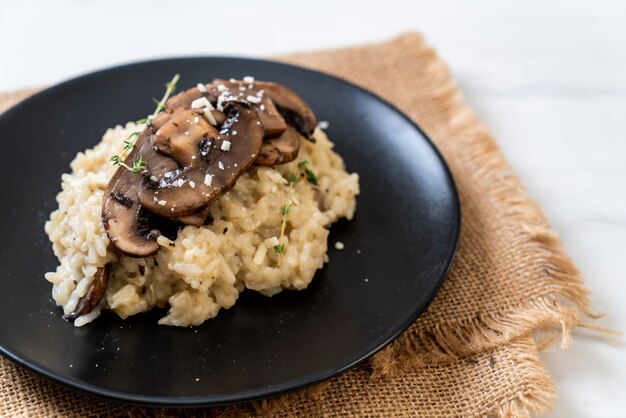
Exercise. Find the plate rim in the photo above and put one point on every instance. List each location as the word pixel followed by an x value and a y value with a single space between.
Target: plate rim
pixel 258 393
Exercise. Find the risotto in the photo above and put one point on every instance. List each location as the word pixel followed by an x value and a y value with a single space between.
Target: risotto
pixel 268 233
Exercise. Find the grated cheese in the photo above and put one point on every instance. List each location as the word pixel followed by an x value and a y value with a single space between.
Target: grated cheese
pixel 200 103
pixel 209 116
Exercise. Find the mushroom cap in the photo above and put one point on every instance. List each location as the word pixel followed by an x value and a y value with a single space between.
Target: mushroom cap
pixel 180 135
pixel 122 216
pixel 218 162
pixel 292 108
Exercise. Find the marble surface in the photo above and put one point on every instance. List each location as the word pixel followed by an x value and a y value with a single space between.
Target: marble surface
pixel 548 78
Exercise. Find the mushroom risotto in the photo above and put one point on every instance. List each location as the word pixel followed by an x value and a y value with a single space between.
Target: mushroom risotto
pixel 226 186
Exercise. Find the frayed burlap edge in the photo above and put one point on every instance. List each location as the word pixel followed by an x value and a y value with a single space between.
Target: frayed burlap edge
pixel 537 397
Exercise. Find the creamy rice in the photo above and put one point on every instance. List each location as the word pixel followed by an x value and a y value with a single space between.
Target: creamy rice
pixel 206 267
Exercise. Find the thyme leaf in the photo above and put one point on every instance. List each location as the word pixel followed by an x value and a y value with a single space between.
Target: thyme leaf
pixel 310 175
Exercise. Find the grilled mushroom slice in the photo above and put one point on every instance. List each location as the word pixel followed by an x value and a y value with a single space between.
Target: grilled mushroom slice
pixel 292 108
pixel 219 161
pixel 280 150
pixel 277 106
pixel 95 293
pixel 185 99
pixel 231 91
pixel 198 218
pixel 125 221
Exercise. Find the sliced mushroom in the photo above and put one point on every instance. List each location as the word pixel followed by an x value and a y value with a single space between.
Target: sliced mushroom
pixel 277 107
pixel 273 123
pixel 231 91
pixel 239 91
pixel 185 99
pixel 124 220
pixel 219 162
pixel 198 218
pixel 280 150
pixel 292 108
pixel 179 137
pixel 95 293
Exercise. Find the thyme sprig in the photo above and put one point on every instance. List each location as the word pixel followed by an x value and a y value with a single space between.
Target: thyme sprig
pixel 137 167
pixel 280 248
pixel 304 172
pixel 129 143
pixel 310 175
pixel 169 89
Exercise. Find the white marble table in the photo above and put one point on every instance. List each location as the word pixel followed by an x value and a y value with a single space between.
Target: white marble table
pixel 548 78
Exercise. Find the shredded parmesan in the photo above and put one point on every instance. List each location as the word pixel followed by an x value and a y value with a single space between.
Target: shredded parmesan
pixel 225 146
pixel 209 116
pixel 208 179
pixel 200 103
pixel 201 87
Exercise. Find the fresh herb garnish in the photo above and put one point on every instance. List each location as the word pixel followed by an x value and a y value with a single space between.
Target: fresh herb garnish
pixel 129 143
pixel 310 176
pixel 169 89
pixel 284 210
pixel 292 178
pixel 280 248
pixel 138 163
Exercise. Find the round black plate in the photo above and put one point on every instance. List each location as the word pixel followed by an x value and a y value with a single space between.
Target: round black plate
pixel 398 249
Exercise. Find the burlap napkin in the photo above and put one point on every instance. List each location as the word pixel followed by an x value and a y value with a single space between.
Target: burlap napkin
pixel 474 352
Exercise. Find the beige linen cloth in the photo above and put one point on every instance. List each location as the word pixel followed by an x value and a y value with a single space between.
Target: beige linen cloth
pixel 474 352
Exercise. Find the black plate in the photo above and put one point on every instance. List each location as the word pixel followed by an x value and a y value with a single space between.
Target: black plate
pixel 398 249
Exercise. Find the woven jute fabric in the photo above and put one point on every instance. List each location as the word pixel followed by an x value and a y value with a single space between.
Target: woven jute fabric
pixel 474 352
